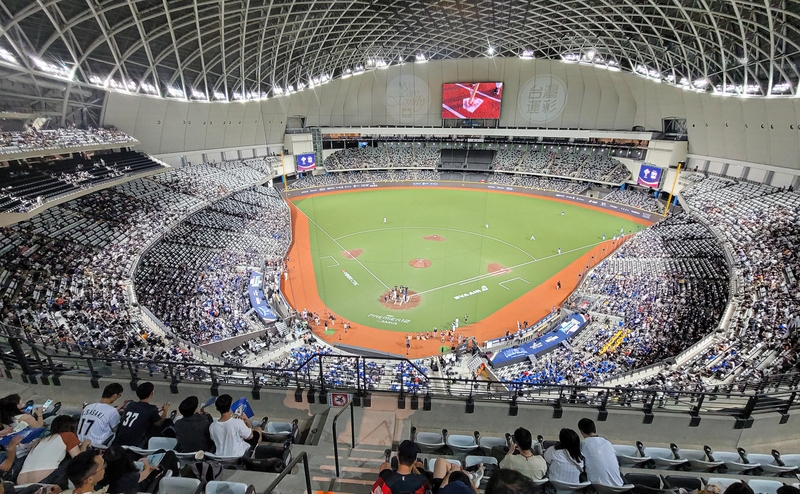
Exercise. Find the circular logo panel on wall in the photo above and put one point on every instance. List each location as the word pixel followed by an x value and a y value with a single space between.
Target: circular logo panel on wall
pixel 542 99
pixel 407 98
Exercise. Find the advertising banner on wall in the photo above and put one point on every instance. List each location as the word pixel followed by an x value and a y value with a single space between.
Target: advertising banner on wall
pixel 649 176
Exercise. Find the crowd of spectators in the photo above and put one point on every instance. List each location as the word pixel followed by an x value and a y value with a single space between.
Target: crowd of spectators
pixel 662 291
pixel 364 177
pixel 584 167
pixel 760 225
pixel 635 198
pixel 65 275
pixel 383 157
pixel 63 138
pixel 212 255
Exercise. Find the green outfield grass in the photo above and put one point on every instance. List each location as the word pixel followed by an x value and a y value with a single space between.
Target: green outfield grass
pixel 459 265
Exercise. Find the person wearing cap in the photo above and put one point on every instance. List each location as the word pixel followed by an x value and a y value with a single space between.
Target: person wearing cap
pixel 408 478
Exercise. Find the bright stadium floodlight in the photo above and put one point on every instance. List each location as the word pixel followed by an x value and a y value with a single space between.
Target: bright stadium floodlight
pixel 782 87
pixel 590 55
pixel 7 56
pixel 700 83
pixel 526 55
pixel 174 92
pixel 381 64
pixel 420 58
pixel 347 72
pixel 96 79
pixel 490 51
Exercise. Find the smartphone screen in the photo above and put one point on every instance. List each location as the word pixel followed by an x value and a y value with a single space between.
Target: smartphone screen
pixel 29 409
pixel 46 405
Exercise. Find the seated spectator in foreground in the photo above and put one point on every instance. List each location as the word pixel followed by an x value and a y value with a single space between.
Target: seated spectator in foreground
pixel 521 457
pixel 192 430
pixel 12 413
pixel 505 481
pixel 233 436
pixel 457 482
pixel 10 464
pixel 407 478
pixel 140 418
pixel 739 488
pixel 601 459
pixel 43 461
pixel 564 460
pixel 99 419
pixel 123 477
pixel 84 471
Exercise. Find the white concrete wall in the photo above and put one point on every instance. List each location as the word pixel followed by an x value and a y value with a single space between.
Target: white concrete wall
pixel 755 130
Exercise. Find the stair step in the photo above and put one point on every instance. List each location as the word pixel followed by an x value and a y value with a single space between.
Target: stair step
pixel 345 480
pixel 348 469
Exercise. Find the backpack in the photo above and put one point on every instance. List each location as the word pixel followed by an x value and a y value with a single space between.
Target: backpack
pixel 205 471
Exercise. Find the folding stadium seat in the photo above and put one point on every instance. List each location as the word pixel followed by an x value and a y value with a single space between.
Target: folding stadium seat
pixel 280 431
pixel 428 442
pixel 568 488
pixel 178 485
pixel 698 459
pixel 472 460
pixel 733 462
pixel 643 480
pixel 791 460
pixel 722 482
pixel 488 442
pixel 612 489
pixel 680 481
pixel 218 487
pixel 769 465
pixel 156 443
pixel 664 457
pixel 764 486
pixel 460 443
pixel 629 455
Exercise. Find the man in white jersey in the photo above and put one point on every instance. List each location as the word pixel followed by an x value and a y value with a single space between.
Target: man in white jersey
pixel 99 419
pixel 602 466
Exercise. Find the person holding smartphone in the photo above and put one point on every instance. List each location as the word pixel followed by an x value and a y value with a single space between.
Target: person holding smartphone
pixel 233 436
pixel 521 457
pixel 13 414
pixel 140 418
pixel 99 419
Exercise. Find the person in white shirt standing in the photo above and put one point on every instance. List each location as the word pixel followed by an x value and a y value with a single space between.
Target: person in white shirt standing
pixel 602 466
pixel 233 436
pixel 99 419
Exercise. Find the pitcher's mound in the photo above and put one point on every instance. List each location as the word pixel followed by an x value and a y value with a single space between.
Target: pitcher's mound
pixel 419 263
pixel 386 300
pixel 352 254
pixel 495 268
pixel 434 238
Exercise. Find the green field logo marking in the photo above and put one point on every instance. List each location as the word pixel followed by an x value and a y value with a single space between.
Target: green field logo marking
pixel 389 319
pixel 352 280
pixel 483 288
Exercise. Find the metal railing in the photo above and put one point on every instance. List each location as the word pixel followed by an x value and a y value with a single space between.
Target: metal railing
pixel 365 375
pixel 288 469
pixel 336 434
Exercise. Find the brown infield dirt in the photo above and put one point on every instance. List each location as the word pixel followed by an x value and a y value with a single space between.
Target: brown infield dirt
pixel 496 269
pixel 434 238
pixel 419 263
pixel 352 254
pixel 413 301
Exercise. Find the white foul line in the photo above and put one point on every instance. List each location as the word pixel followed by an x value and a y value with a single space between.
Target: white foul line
pixel 343 249
pixel 332 259
pixel 512 279
pixel 453 111
pixel 436 228
pixel 479 277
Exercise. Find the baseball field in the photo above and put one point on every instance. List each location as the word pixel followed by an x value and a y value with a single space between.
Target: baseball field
pixel 466 254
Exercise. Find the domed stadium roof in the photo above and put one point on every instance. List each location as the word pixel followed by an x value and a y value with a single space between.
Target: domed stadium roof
pixel 243 49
